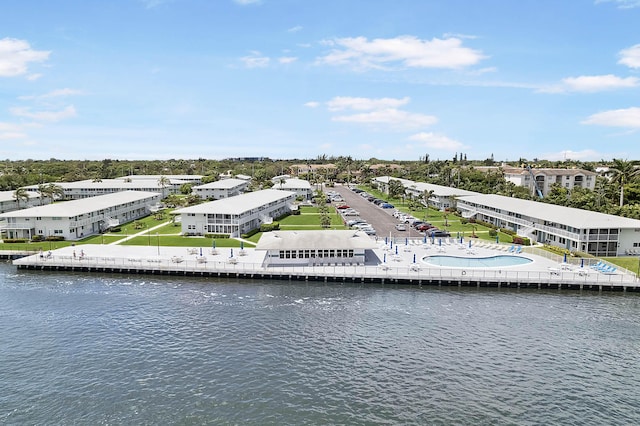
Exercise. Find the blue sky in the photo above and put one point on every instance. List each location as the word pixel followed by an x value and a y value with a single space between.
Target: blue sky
pixel 397 79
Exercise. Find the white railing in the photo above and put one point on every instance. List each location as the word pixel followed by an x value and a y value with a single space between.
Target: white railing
pixel 572 274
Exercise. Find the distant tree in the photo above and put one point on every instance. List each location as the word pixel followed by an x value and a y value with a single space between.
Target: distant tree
pixel 395 188
pixel 186 188
pixel 623 172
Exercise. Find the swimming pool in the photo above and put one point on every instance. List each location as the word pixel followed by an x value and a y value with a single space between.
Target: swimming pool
pixel 476 262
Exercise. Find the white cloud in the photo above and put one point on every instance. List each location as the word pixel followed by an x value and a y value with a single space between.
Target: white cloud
pixel 436 141
pixel 593 83
pixel 50 116
pixel 340 103
pixel 53 94
pixel 287 59
pixel 11 131
pixel 630 56
pixel 295 29
pixel 16 55
pixel 622 4
pixel 255 60
pixel 628 118
pixel 312 104
pixel 395 118
pixel 584 155
pixel 408 51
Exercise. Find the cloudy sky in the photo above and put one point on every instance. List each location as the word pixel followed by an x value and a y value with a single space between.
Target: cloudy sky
pixel 392 79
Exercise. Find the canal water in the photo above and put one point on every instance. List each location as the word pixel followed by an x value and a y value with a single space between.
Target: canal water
pixel 112 349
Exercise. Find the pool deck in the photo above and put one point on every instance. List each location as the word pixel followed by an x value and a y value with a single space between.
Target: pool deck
pixel 401 264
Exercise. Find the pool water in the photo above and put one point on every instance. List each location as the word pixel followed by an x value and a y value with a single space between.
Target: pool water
pixel 476 262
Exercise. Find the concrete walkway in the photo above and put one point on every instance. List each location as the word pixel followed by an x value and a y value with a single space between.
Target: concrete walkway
pixel 139 234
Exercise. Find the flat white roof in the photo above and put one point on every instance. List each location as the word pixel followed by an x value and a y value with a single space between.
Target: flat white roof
pixel 296 240
pixel 293 184
pixel 439 190
pixel 108 184
pixel 85 205
pixel 8 195
pixel 238 204
pixel 156 177
pixel 577 218
pixel 222 184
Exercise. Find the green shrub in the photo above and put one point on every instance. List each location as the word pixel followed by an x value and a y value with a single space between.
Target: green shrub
pixel 54 238
pixel 37 238
pixel 464 221
pixel 493 232
pixel 523 241
pixel 14 240
pixel 115 229
pixel 250 233
pixel 216 236
pixel 266 227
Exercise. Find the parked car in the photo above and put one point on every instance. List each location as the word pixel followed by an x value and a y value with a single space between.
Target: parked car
pixel 438 233
pixel 355 222
pixel 350 212
pixel 401 227
pixel 424 227
pixel 343 206
pixel 387 206
pixel 369 231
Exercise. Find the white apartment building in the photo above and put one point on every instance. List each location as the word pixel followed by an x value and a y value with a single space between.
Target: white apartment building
pixel 236 215
pixel 544 178
pixel 89 188
pixel 8 202
pixel 300 186
pixel 595 233
pixel 442 197
pixel 77 219
pixel 219 189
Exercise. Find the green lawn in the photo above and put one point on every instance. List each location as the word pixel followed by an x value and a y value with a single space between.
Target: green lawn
pixel 630 263
pixel 180 241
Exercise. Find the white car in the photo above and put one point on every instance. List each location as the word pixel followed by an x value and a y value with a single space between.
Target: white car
pixel 401 227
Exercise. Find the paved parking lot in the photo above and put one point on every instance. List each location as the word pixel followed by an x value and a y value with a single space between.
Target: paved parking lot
pixel 381 219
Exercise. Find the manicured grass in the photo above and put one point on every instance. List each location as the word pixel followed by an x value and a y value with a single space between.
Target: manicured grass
pixel 179 241
pixel 630 263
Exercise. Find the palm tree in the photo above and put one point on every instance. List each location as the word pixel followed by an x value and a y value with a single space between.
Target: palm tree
pixel 623 172
pixel 163 182
pixel 54 191
pixel 42 190
pixel 20 194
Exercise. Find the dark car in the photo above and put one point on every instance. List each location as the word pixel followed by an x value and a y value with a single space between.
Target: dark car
pixel 438 234
pixel 424 227
pixel 343 206
pixel 387 206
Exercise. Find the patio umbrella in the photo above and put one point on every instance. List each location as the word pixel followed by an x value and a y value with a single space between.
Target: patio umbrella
pixel 424 239
pixel 414 258
pixel 469 243
pixel 406 241
pixel 439 241
pixel 231 253
pixel 392 244
pixel 241 245
pixel 458 234
pixel 565 258
pixel 213 245
pixel 385 240
pixel 582 262
pixel 497 239
pixel 396 249
pixel 384 258
pixel 200 251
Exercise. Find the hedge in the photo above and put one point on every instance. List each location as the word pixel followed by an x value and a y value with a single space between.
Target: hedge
pixel 217 236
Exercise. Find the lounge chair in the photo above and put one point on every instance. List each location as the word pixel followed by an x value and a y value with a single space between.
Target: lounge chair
pixel 518 250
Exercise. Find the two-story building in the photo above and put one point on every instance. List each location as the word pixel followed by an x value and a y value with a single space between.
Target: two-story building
pixel 237 215
pixel 220 189
pixel 77 219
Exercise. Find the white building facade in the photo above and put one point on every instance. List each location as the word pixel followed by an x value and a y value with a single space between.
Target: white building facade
pixel 90 188
pixel 77 219
pixel 314 248
pixel 573 229
pixel 220 189
pixel 8 202
pixel 236 215
pixel 300 186
pixel 439 197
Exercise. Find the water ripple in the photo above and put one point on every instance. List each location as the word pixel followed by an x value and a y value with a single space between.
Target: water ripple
pixel 108 349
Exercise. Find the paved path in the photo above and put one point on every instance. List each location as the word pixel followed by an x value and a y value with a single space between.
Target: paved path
pixel 138 234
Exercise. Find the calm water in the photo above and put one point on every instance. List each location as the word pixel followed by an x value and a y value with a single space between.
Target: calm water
pixel 106 349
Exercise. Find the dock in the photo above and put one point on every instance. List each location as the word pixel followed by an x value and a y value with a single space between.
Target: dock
pixel 404 268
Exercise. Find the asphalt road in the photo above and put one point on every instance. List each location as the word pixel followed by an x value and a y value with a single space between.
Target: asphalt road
pixel 381 219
